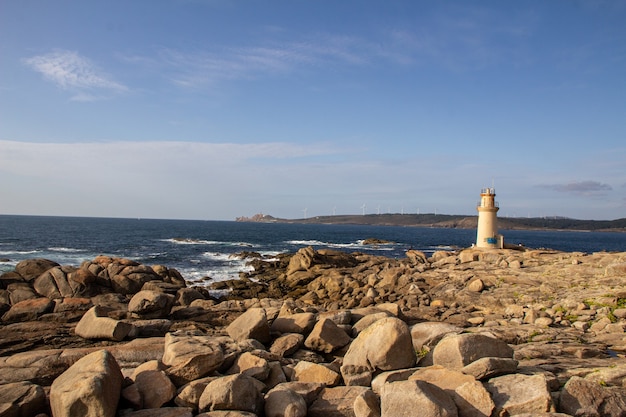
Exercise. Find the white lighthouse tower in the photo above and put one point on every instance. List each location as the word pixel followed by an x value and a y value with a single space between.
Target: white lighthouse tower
pixel 487 233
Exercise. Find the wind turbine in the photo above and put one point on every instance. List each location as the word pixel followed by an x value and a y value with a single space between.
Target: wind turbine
pixel 363 208
pixel 379 209
pixel 304 210
pixel 334 210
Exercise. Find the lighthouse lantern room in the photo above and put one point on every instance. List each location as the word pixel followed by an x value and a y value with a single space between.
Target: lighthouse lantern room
pixel 487 233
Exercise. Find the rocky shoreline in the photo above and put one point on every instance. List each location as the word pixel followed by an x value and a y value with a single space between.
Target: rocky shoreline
pixel 319 333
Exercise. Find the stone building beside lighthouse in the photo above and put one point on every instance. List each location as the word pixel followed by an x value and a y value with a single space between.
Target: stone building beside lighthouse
pixel 487 232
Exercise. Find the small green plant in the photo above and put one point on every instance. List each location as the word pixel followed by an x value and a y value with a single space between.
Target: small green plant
pixel 421 353
pixel 533 335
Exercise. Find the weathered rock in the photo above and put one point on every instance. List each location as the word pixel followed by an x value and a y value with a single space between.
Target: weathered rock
pixel 391 376
pixel 580 397
pixel 227 414
pixel 250 325
pixel 367 321
pixel 294 323
pixel 313 372
pixel 161 412
pixel 189 394
pixel 281 402
pixel 151 304
pixel 20 291
pixel 610 376
pixel 131 278
pixel 470 397
pixel 30 269
pixel 287 344
pixel 476 285
pixel 251 365
pixel 457 351
pixel 301 260
pixel 22 399
pixel 234 392
pixel 384 346
pixel 404 398
pixel 90 387
pixel 489 367
pixel 428 334
pixel 335 402
pixel 154 388
pixel 28 310
pixel 326 337
pixel 95 324
pixel 310 391
pixel 473 400
pixel 517 393
pixel 367 404
pixel 53 284
pixel 186 296
pixel 190 356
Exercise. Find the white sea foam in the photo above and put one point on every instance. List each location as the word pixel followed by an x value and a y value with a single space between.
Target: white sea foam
pixel 18 252
pixel 357 244
pixel 189 241
pixel 65 250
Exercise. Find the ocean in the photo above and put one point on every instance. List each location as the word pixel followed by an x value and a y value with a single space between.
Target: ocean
pixel 205 249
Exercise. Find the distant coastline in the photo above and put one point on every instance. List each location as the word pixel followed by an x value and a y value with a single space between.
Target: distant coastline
pixel 451 221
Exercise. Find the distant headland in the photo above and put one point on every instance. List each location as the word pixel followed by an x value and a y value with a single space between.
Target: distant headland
pixel 451 221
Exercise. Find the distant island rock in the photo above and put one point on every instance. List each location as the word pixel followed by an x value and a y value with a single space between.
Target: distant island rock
pixel 257 218
pixel 451 221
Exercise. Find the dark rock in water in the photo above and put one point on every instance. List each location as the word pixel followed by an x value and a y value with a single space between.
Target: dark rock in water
pixel 376 241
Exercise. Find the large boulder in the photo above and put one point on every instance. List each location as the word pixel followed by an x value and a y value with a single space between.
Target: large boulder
pixel 287 344
pixel 189 394
pixel 458 350
pixel 313 372
pixel 190 356
pixel 233 392
pixel 405 398
pixel 581 397
pixel 95 324
pixel 336 402
pixel 518 393
pixel 384 346
pixel 152 388
pixel 326 337
pixel 22 399
pixel 30 269
pixel 149 304
pixel 28 310
pixel 293 323
pixel 249 364
pixel 90 387
pixel 281 402
pixel 53 284
pixel 252 324
pixel 426 335
pixel 469 395
pixel 131 278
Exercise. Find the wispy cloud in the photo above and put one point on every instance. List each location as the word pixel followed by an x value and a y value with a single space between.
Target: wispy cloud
pixel 201 68
pixel 73 72
pixel 580 187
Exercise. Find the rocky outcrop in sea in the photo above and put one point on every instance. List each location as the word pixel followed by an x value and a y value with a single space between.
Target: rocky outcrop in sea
pixel 319 333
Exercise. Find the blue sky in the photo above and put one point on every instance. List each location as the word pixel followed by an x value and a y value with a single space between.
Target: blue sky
pixel 212 109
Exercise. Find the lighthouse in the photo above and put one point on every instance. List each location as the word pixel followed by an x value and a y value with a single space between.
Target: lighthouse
pixel 487 233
